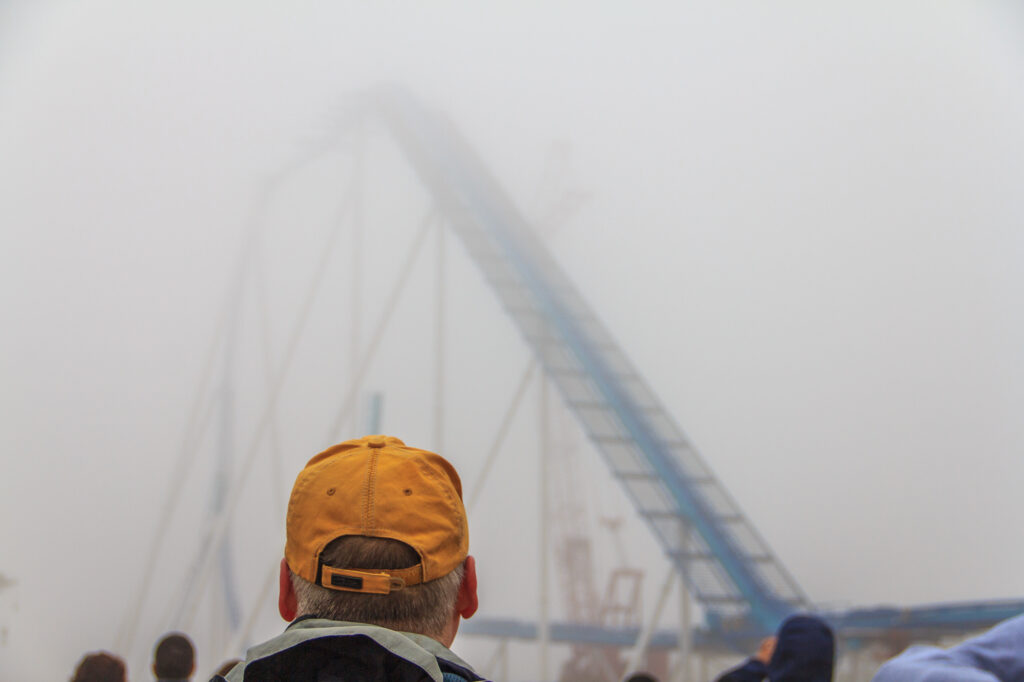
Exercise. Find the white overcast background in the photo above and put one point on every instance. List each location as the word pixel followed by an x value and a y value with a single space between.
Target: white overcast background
pixel 801 220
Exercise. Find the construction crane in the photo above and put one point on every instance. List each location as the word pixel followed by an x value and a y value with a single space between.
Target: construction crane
pixel 620 604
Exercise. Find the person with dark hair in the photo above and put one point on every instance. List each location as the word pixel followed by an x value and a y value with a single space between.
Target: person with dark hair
pixel 803 650
pixel 376 574
pixel 99 666
pixel 996 655
pixel 641 677
pixel 174 657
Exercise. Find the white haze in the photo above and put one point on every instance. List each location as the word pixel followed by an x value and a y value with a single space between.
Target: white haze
pixel 801 221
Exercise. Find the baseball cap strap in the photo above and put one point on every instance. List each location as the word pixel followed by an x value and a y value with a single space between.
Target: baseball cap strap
pixel 371 582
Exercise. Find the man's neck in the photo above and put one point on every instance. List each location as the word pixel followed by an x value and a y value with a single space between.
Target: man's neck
pixel 445 638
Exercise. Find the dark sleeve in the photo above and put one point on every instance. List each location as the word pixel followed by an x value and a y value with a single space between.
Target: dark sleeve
pixel 751 671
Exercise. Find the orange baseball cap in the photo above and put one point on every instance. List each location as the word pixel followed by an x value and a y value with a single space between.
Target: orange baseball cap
pixel 376 486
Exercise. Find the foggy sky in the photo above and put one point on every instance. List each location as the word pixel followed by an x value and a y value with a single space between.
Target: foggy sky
pixel 801 223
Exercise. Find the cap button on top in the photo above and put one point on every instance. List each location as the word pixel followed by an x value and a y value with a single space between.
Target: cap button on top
pixel 375 443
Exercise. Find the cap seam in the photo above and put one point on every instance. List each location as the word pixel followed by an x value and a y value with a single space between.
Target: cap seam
pixel 439 484
pixel 369 505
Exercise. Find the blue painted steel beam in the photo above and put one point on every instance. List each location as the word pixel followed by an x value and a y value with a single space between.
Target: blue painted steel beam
pixel 574 633
pixel 951 616
pixel 452 172
pixel 923 622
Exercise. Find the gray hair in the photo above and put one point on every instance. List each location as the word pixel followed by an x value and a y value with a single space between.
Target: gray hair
pixel 426 608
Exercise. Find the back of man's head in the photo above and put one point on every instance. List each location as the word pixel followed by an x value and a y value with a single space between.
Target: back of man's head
pixel 425 608
pixel 377 533
pixel 99 666
pixel 804 651
pixel 174 657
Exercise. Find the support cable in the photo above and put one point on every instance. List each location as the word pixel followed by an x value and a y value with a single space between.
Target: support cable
pixel 685 618
pixel 356 264
pixel 184 587
pixel 636 657
pixel 197 424
pixel 499 657
pixel 334 431
pixel 439 320
pixel 219 528
pixel 544 617
pixel 276 455
pixel 244 633
pixel 499 439
pixel 191 439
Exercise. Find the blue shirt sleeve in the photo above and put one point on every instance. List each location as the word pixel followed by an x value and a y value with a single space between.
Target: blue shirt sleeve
pixel 994 656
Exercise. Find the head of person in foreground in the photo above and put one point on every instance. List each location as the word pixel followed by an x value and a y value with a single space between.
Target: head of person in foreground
pixel 376 533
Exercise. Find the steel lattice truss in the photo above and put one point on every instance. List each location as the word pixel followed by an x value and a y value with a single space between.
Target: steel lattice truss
pixel 744 589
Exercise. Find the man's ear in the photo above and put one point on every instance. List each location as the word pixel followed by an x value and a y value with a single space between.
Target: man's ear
pixel 287 605
pixel 467 602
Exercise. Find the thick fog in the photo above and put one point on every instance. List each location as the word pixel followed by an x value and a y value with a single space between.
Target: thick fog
pixel 801 223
